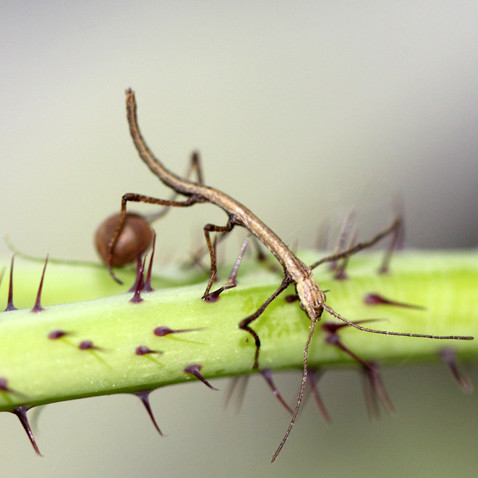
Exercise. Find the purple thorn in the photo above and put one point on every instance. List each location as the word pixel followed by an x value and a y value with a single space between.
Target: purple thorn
pixel 313 378
pixel 10 305
pixel 377 299
pixel 291 298
pixel 136 299
pixel 21 413
pixel 266 373
pixel 343 236
pixel 233 275
pixel 5 388
pixel 375 391
pixel 144 397
pixel 332 338
pixel 260 254
pixel 163 330
pixel 397 241
pixel 240 382
pixel 195 370
pixel 214 296
pixel 147 285
pixel 37 307
pixel 340 273
pixel 57 334
pixel 144 350
pixel 449 357
pixel 88 345
pixel 3 385
pixel 139 273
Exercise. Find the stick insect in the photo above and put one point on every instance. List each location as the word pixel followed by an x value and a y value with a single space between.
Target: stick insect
pixel 311 297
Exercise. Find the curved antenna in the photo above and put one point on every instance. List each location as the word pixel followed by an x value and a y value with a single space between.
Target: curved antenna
pixel 301 391
pixel 388 332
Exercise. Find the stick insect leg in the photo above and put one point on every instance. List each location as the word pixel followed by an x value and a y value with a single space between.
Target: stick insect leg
pixel 133 197
pixel 203 250
pixel 231 281
pixel 193 167
pixel 208 228
pixel 395 226
pixel 244 323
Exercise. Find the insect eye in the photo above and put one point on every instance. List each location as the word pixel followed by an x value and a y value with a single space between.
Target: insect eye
pixel 136 236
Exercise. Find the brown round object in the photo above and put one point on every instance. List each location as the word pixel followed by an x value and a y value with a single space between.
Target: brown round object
pixel 135 237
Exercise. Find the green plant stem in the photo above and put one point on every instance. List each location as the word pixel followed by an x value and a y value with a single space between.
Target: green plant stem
pixel 40 370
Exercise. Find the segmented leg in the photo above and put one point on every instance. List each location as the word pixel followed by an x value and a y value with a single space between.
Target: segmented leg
pixel 396 224
pixel 208 228
pixel 244 323
pixel 133 197
pixel 194 166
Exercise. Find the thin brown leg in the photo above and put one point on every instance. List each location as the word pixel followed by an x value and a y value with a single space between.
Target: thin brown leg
pixel 212 254
pixel 361 245
pixel 194 166
pixel 133 197
pixel 244 323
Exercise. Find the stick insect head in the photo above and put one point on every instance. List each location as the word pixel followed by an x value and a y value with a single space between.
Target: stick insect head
pixel 311 297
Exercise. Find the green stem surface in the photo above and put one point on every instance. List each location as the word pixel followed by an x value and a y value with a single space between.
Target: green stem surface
pixel 40 370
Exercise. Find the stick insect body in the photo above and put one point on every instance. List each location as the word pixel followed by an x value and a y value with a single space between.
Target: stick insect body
pixel 312 298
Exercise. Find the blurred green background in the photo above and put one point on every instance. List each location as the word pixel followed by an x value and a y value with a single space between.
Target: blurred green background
pixel 301 111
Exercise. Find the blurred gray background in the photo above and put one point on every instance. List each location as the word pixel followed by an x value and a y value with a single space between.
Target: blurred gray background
pixel 301 111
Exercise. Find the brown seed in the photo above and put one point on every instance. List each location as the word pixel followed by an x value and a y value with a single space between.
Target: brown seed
pixel 136 236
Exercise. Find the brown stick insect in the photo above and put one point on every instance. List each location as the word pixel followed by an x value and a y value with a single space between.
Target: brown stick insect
pixel 311 297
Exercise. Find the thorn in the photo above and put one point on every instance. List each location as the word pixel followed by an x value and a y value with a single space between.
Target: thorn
pixel 57 334
pixel 397 241
pixel 144 397
pixel 260 254
pixel 3 385
pixel 233 275
pixel 10 305
pixel 376 299
pixel 88 345
pixel 266 373
pixel 291 298
pixel 375 391
pixel 21 413
pixel 5 388
pixel 343 236
pixel 322 239
pixel 144 350
pixel 449 357
pixel 195 370
pixel 139 273
pixel 340 273
pixel 313 377
pixel 240 382
pixel 147 285
pixel 214 295
pixel 163 330
pixel 136 299
pixel 37 307
pixel 332 338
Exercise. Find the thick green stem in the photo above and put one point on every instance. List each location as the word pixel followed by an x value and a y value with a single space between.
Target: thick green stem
pixel 41 370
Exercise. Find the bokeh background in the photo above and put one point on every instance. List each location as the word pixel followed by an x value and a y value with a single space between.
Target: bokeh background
pixel 302 110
